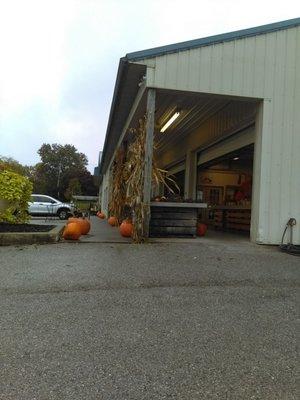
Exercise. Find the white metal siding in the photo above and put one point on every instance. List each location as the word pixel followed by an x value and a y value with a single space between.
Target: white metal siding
pixel 105 192
pixel 243 67
pixel 267 67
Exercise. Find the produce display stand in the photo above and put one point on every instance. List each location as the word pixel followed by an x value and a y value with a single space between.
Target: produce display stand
pixel 233 218
pixel 174 219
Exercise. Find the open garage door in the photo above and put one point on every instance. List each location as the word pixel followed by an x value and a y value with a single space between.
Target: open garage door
pixel 224 182
pixel 227 145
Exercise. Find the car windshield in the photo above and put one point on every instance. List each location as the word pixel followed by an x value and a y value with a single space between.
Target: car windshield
pixel 46 199
pixel 43 199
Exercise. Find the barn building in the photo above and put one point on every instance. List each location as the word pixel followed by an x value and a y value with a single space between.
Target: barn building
pixel 224 113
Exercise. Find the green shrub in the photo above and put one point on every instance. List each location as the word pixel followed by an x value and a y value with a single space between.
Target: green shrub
pixel 17 190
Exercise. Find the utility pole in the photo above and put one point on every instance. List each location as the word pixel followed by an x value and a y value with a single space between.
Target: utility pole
pixel 58 178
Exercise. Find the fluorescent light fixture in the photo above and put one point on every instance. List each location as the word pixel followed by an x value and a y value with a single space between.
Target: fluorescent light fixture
pixel 236 158
pixel 171 120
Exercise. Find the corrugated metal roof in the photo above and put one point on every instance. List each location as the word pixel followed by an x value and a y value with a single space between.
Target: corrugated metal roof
pixel 207 41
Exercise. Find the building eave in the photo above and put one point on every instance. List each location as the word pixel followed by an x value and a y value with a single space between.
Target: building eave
pixel 211 40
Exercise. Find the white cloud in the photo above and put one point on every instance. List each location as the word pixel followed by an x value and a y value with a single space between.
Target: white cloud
pixel 59 59
pixel 80 129
pixel 32 43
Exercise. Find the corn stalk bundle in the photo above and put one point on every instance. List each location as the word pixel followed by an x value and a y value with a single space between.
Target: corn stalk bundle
pixel 160 176
pixel 134 178
pixel 118 193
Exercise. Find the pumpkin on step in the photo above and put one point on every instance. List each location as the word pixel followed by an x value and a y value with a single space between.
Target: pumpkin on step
pixel 83 223
pixel 126 228
pixel 100 214
pixel 113 221
pixel 72 219
pixel 72 231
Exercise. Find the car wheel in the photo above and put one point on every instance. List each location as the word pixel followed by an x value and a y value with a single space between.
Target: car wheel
pixel 63 214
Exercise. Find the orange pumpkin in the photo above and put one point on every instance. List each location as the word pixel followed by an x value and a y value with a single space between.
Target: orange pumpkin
pixel 72 219
pixel 201 229
pixel 72 231
pixel 113 221
pixel 101 215
pixel 126 228
pixel 85 225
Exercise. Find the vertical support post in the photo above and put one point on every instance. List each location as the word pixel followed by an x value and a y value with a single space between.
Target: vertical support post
pixel 148 158
pixel 109 190
pixel 190 175
pixel 256 229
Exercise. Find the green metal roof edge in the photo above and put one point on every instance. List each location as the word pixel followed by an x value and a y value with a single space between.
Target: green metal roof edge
pixel 225 37
pixel 122 66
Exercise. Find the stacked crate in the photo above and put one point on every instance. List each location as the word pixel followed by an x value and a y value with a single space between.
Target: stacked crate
pixel 173 222
pixel 238 220
pixel 232 219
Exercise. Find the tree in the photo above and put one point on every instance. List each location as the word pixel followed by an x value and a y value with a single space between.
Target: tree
pixel 87 183
pixel 61 172
pixel 59 165
pixel 39 179
pixel 73 188
pixel 10 164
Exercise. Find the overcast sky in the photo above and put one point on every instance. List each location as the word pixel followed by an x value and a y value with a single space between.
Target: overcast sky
pixel 58 59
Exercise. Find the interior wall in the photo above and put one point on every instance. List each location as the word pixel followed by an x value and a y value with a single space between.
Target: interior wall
pixel 221 178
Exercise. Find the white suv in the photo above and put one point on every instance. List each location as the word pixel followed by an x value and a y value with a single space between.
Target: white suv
pixel 41 204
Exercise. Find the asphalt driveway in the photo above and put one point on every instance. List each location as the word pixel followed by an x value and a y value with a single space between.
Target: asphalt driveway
pixel 159 321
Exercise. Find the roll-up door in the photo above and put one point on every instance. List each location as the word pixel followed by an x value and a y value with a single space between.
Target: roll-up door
pixel 177 168
pixel 235 142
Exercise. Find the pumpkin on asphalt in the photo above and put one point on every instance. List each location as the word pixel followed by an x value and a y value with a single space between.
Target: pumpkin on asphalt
pixel 113 221
pixel 72 231
pixel 126 228
pixel 101 215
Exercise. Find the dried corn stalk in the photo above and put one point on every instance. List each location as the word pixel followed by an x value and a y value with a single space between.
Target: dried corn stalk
pixel 161 176
pixel 118 193
pixel 134 178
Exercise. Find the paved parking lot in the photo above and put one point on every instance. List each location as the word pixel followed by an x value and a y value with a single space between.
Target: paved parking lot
pixel 159 321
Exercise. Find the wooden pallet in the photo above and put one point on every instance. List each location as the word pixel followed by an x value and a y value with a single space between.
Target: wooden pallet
pixel 173 222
